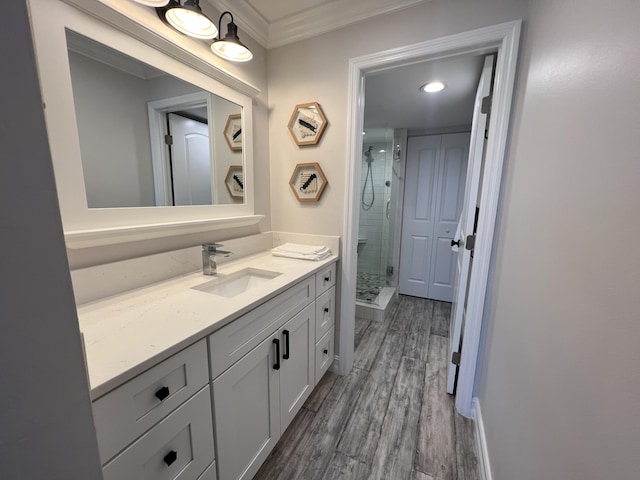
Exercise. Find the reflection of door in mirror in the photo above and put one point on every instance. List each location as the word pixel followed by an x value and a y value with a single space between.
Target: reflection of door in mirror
pixel 126 160
pixel 189 157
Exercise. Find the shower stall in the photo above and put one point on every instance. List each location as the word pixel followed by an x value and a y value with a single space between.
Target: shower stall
pixel 381 190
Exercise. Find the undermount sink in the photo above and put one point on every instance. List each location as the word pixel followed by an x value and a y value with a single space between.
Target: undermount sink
pixel 236 283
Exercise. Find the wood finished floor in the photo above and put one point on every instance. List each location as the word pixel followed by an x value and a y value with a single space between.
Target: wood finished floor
pixel 391 417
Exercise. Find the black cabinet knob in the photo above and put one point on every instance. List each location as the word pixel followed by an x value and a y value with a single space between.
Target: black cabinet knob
pixel 326 279
pixel 326 309
pixel 163 393
pixel 170 457
pixel 326 351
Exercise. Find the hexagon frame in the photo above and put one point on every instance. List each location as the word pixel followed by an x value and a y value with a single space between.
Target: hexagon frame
pixel 308 182
pixel 231 183
pixel 307 124
pixel 229 133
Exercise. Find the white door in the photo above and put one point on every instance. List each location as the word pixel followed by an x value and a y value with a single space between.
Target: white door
pixel 246 406
pixel 434 182
pixel 190 161
pixel 467 222
pixel 417 216
pixel 297 370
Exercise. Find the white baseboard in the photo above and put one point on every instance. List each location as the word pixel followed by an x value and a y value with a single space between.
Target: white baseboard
pixel 481 442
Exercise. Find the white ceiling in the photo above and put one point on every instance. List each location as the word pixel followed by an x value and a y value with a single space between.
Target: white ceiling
pixel 393 98
pixel 274 23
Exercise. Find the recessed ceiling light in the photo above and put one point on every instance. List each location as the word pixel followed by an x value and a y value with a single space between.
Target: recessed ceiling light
pixel 433 87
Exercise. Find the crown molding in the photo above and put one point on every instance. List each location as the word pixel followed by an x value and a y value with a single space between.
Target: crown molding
pixel 309 23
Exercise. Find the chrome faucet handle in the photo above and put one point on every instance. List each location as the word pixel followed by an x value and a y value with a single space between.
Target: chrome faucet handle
pixel 211 247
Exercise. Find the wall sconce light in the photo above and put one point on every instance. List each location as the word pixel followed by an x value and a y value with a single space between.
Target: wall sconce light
pixel 230 47
pixel 187 17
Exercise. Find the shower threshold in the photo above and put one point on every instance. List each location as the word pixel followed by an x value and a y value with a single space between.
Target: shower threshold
pixel 378 309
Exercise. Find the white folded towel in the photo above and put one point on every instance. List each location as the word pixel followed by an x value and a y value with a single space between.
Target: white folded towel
pixel 303 252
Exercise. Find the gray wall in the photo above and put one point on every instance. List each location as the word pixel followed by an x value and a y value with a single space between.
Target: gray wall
pixel 561 391
pixel 113 127
pixel 46 428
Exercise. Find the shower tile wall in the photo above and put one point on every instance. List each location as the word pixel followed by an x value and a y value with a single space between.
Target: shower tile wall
pixel 373 225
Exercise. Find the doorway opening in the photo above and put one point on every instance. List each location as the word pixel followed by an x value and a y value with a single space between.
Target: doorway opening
pixel 502 39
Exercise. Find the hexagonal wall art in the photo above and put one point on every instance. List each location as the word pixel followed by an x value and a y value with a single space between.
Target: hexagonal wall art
pixel 233 132
pixel 307 124
pixel 235 182
pixel 308 182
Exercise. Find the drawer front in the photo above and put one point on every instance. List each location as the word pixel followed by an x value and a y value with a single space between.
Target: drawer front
pixel 180 447
pixel 325 279
pixel 209 473
pixel 127 412
pixel 232 342
pixel 324 354
pixel 325 312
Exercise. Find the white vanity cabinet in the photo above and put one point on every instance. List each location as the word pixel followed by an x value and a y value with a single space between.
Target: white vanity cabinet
pixel 257 397
pixel 325 320
pixel 159 425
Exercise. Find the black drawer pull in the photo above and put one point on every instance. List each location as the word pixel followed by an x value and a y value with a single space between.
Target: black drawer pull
pixel 326 309
pixel 163 393
pixel 276 342
pixel 326 279
pixel 285 355
pixel 170 457
pixel 326 350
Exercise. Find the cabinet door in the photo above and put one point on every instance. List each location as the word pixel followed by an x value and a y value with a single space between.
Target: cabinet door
pixel 246 410
pixel 298 363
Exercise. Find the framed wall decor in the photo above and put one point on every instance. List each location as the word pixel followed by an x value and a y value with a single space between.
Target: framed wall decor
pixel 307 124
pixel 235 182
pixel 308 182
pixel 233 132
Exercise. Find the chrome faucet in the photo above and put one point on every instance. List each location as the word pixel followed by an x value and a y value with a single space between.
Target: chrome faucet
pixel 209 253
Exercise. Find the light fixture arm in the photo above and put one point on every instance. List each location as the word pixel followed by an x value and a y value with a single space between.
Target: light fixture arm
pixel 230 26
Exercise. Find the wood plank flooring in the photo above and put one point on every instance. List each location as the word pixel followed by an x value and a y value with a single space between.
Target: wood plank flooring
pixel 391 417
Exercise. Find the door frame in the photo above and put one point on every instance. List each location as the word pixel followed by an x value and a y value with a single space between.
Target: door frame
pixel 503 39
pixel 157 110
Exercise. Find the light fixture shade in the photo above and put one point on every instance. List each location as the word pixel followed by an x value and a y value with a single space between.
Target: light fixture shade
pixel 152 3
pixel 189 19
pixel 230 47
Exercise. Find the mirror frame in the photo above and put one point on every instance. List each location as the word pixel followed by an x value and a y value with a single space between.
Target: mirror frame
pixel 85 227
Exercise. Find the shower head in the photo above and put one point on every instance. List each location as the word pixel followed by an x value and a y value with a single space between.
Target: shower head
pixel 368 155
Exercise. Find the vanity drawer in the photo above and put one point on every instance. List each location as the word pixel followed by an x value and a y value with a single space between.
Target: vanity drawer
pixel 325 279
pixel 179 447
pixel 324 354
pixel 125 413
pixel 232 342
pixel 325 312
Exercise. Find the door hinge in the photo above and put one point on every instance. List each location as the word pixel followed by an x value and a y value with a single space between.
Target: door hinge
pixel 455 358
pixel 486 104
pixel 168 139
pixel 470 242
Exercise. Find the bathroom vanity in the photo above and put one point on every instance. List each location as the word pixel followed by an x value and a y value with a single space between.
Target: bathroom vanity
pixel 190 384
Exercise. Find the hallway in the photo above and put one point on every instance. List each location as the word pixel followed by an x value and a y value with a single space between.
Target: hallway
pixel 391 417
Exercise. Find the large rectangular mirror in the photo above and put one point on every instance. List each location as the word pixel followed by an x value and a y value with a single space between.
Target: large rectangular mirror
pixel 148 138
pixel 144 142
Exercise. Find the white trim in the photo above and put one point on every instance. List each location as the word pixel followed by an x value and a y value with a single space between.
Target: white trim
pixel 504 39
pixel 306 23
pixel 157 130
pixel 107 236
pixel 484 466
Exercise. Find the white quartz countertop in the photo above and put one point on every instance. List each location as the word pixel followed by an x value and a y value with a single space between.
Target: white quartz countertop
pixel 128 333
